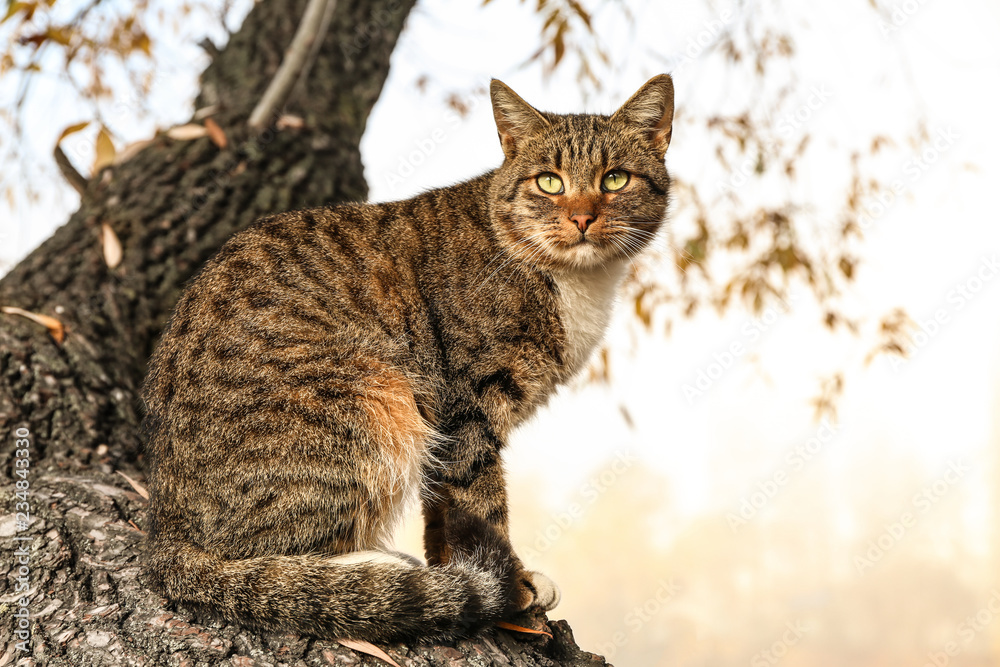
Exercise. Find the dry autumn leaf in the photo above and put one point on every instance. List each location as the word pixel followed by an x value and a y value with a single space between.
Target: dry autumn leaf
pixel 104 151
pixel 139 488
pixel 112 246
pixel 290 121
pixel 517 628
pixel 55 327
pixel 370 649
pixel 216 134
pixel 187 132
pixel 72 129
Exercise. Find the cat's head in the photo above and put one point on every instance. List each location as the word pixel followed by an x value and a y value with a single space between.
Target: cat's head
pixel 579 191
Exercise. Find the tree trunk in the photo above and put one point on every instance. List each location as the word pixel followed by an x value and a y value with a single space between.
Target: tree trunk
pixel 171 206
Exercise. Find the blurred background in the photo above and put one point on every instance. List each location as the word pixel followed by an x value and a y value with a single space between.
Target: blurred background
pixel 789 449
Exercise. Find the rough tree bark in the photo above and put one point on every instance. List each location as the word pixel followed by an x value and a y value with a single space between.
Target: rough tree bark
pixel 171 206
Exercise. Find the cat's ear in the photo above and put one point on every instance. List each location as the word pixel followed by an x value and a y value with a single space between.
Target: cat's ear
pixel 516 119
pixel 652 108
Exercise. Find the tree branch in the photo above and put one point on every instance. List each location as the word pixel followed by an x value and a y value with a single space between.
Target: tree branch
pixel 315 21
pixel 90 604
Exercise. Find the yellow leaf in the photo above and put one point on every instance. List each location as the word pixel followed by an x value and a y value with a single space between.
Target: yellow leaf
pixel 215 133
pixel 59 35
pixel 112 246
pixel 15 7
pixel 187 132
pixel 370 649
pixel 104 152
pixel 55 327
pixel 72 129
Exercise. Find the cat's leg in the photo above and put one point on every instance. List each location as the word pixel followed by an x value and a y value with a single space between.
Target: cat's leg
pixel 472 485
pixel 435 506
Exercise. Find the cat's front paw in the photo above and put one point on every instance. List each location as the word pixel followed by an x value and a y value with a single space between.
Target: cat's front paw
pixel 535 590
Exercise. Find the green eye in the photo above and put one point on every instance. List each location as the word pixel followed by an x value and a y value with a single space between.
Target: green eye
pixel 550 183
pixel 615 180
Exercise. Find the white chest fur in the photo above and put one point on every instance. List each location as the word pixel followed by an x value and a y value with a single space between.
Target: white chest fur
pixel 586 299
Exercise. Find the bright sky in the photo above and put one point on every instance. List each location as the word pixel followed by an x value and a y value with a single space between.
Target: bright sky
pixel 938 235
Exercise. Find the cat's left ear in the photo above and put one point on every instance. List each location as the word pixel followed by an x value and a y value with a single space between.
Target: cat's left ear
pixel 652 108
pixel 516 119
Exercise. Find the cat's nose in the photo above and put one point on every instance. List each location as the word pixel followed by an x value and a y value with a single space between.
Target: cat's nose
pixel 582 220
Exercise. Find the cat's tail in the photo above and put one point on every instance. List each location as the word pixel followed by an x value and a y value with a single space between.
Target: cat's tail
pixel 367 595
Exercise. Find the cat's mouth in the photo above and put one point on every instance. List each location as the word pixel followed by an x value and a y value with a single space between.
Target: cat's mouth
pixel 583 251
pixel 579 242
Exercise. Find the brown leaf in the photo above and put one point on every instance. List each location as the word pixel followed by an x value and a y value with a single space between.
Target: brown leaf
pixel 139 488
pixel 55 327
pixel 112 246
pixel 558 44
pixel 216 134
pixel 143 43
pixel 581 12
pixel 72 129
pixel 517 628
pixel 187 132
pixel 370 649
pixel 104 152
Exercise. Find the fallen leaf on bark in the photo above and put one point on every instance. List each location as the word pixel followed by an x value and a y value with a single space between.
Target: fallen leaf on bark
pixel 216 134
pixel 112 246
pixel 290 121
pixel 55 327
pixel 370 649
pixel 187 132
pixel 517 628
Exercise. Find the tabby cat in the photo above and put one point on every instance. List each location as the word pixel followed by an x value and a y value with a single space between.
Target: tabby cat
pixel 328 365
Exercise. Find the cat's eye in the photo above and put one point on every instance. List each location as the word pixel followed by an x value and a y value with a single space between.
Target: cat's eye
pixel 549 183
pixel 615 180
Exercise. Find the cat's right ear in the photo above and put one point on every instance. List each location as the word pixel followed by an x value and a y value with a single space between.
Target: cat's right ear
pixel 652 108
pixel 516 119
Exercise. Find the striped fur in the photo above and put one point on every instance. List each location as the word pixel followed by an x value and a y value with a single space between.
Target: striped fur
pixel 330 364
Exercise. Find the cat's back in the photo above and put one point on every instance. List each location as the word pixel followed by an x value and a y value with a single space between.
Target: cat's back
pixel 361 252
pixel 328 283
pixel 338 259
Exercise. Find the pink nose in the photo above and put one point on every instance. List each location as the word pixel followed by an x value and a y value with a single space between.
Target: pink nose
pixel 582 221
